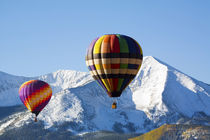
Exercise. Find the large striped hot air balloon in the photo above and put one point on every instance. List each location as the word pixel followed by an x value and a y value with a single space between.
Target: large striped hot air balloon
pixel 35 95
pixel 114 60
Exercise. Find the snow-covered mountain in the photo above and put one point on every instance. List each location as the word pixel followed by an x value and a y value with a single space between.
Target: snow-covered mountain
pixel 9 86
pixel 159 94
pixel 59 80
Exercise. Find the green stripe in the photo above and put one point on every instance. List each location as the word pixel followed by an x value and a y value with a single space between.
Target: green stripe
pixel 120 81
pixel 123 66
pixel 123 45
pixel 123 49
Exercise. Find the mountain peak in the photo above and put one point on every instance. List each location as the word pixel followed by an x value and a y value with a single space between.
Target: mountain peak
pixel 149 85
pixel 63 71
pixel 159 94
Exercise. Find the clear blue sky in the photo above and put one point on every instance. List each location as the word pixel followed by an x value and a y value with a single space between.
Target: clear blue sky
pixel 42 36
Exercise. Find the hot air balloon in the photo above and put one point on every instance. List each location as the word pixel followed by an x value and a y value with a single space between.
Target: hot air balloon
pixel 35 95
pixel 114 60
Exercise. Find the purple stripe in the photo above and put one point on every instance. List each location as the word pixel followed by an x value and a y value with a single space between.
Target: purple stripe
pixel 21 95
pixel 90 48
pixel 102 85
pixel 33 88
pixel 92 67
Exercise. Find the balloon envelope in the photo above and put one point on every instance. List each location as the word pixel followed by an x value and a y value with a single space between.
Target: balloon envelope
pixel 35 95
pixel 114 60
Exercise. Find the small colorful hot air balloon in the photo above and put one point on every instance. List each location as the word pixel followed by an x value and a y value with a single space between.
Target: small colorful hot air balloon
pixel 114 60
pixel 35 95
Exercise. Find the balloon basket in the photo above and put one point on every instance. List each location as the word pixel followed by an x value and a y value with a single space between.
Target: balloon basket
pixel 114 105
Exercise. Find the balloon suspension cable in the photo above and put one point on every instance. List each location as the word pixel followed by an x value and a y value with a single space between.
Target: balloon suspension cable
pixel 115 100
pixel 35 119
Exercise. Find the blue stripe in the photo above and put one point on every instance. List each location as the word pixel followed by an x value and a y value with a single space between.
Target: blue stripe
pixel 125 83
pixel 133 66
pixel 131 44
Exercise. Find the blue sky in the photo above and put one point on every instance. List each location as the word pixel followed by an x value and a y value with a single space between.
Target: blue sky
pixel 42 36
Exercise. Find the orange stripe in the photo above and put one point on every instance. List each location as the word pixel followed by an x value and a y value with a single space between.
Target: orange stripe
pixel 41 97
pixel 42 101
pixel 38 97
pixel 106 66
pixel 38 91
pixel 110 83
pixel 105 46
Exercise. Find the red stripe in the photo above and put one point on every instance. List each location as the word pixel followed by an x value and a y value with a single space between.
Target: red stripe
pixel 115 83
pixel 37 91
pixel 115 66
pixel 115 45
pixel 41 104
pixel 115 48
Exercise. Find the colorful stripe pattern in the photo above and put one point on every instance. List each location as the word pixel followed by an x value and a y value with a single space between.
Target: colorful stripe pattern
pixel 114 60
pixel 35 95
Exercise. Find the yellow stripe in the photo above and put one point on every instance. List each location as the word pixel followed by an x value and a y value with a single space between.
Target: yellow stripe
pixel 28 106
pixel 106 84
pixel 97 46
pixel 97 49
pixel 106 48
pixel 98 66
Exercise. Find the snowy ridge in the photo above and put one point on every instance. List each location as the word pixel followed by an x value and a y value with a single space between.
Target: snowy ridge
pixel 185 95
pixel 9 86
pixel 8 81
pixel 147 92
pixel 159 94
pixel 59 80
pixel 63 79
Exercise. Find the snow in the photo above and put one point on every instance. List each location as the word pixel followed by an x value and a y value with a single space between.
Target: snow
pixel 9 86
pixel 63 79
pixel 59 80
pixel 148 94
pixel 183 95
pixel 158 94
pixel 186 81
pixel 3 126
pixel 13 98
pixel 63 107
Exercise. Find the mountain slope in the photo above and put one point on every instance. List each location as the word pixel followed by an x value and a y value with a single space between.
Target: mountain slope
pixel 9 86
pixel 59 80
pixel 176 132
pixel 159 94
pixel 163 90
pixel 63 79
